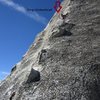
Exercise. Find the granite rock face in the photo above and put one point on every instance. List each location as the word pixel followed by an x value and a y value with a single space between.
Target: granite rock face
pixel 64 61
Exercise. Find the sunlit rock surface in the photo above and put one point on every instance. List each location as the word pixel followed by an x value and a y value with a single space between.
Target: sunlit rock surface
pixel 66 55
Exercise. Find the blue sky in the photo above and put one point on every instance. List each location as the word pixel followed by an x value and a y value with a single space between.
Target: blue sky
pixel 18 29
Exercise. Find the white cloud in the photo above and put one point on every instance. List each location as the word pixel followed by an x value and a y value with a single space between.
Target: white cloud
pixel 3 75
pixel 21 9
